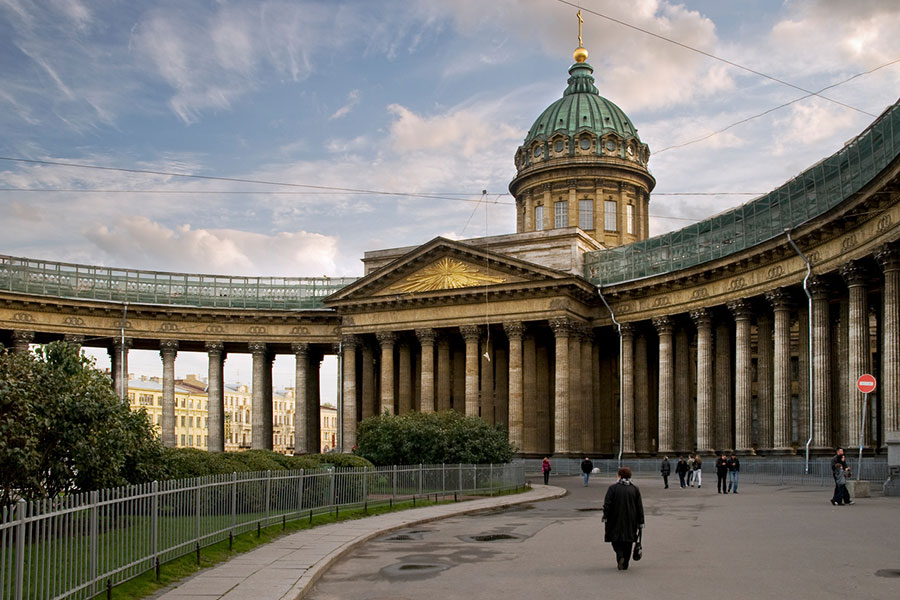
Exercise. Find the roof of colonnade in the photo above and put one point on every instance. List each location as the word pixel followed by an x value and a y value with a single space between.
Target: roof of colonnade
pixel 806 196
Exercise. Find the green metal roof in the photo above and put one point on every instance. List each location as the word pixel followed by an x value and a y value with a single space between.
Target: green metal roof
pixel 581 108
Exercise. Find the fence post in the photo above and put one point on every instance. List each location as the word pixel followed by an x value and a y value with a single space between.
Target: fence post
pixel 197 507
pixel 154 522
pixel 393 481
pixel 365 493
pixel 443 478
pixel 491 478
pixel 421 478
pixel 233 501
pixel 21 510
pixel 331 493
pixel 302 481
pixel 459 484
pixel 268 492
pixel 95 525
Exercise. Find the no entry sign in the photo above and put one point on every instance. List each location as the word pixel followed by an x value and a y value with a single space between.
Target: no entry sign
pixel 866 384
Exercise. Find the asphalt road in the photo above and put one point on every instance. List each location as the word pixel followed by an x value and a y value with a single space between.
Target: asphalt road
pixel 765 542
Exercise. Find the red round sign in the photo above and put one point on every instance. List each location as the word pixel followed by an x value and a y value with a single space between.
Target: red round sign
pixel 866 384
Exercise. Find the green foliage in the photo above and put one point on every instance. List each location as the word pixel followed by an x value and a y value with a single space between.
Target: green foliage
pixel 63 430
pixel 431 438
pixel 181 463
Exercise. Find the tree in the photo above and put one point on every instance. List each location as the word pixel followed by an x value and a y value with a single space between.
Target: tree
pixel 63 430
pixel 431 438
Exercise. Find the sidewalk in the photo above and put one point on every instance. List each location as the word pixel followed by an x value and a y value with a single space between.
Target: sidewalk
pixel 288 567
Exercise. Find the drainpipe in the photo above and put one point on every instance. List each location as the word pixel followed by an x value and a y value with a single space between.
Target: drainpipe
pixel 340 398
pixel 621 377
pixel 809 340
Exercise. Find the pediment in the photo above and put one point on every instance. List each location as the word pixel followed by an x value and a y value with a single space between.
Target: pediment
pixel 444 266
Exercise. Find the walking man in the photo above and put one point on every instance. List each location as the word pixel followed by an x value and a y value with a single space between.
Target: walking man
pixel 697 473
pixel 721 474
pixel 665 469
pixel 681 470
pixel 623 514
pixel 734 469
pixel 586 468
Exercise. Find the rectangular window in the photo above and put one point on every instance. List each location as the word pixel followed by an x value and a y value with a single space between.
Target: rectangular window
pixel 629 218
pixel 182 420
pixel 538 218
pixel 182 439
pixel 609 216
pixel 190 421
pixel 560 214
pixel 586 214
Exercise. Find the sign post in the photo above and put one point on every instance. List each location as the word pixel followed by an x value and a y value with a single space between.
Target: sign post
pixel 865 384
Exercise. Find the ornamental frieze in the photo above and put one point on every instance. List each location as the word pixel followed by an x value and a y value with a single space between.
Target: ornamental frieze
pixel 446 274
pixel 21 317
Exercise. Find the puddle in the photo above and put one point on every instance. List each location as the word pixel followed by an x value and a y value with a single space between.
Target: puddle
pixel 492 537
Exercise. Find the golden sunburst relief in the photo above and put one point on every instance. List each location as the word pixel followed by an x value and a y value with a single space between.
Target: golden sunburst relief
pixel 445 274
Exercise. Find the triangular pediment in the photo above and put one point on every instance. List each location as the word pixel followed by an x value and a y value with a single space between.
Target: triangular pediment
pixel 444 266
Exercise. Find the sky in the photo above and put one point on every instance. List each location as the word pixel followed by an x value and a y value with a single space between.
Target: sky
pixel 421 101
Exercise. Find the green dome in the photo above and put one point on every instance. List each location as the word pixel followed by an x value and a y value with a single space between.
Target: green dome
pixel 581 108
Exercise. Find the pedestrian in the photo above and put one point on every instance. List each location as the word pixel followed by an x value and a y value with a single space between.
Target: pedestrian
pixel 721 474
pixel 665 469
pixel 690 471
pixel 838 458
pixel 734 469
pixel 545 469
pixel 698 471
pixel 623 514
pixel 841 495
pixel 586 468
pixel 681 469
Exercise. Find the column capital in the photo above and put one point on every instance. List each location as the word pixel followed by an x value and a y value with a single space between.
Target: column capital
pixel 257 347
pixel 780 299
pixel 74 338
pixel 426 336
pixel 386 338
pixel 514 329
pixel 888 257
pixel 117 343
pixel 336 347
pixel 301 349
pixel 562 326
pixel 741 310
pixel 702 318
pixel 664 324
pixel 854 274
pixel 470 333
pixel 818 287
pixel 214 347
pixel 22 337
pixel 169 347
pixel 627 330
pixel 350 341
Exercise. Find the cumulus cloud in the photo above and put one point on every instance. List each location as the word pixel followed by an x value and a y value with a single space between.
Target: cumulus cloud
pixel 466 130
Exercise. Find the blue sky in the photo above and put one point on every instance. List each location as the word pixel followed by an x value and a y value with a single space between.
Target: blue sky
pixel 415 97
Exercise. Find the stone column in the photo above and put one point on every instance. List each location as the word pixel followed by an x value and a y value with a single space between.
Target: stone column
pixel 268 396
pixel 821 366
pixel 472 335
pixel 627 373
pixel 514 332
pixel 856 277
pixel 118 365
pixel 576 418
pixel 781 302
pixel 404 378
pixel 444 385
pixel 641 396
pixel 543 389
pixel 764 382
pixel 386 340
pixel 723 439
pixel 167 351
pixel 301 399
pixel 369 402
pixel 488 405
pixel 348 415
pixel 529 395
pixel 562 330
pixel 587 391
pixel 705 381
pixel 888 258
pixel 501 386
pixel 258 440
pixel 684 409
pixel 314 402
pixel 426 340
pixel 841 406
pixel 743 367
pixel 21 340
pixel 215 395
pixel 459 381
pixel 803 373
pixel 666 386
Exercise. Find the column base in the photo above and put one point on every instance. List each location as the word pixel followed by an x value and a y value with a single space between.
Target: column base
pixel 781 452
pixel 745 452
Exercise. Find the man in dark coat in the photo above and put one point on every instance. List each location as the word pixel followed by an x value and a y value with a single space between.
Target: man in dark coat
pixel 665 468
pixel 722 474
pixel 623 513
pixel 587 467
pixel 681 469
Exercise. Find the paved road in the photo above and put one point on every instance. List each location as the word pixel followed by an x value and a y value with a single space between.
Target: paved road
pixel 766 542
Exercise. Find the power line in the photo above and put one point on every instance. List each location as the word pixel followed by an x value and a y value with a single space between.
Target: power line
pixel 714 57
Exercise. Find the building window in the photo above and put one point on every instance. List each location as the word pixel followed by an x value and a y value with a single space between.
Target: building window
pixel 629 218
pixel 182 439
pixel 538 218
pixel 560 214
pixel 190 421
pixel 609 216
pixel 182 420
pixel 586 214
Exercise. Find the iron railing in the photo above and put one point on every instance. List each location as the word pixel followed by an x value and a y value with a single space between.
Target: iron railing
pixel 70 280
pixel 812 193
pixel 79 545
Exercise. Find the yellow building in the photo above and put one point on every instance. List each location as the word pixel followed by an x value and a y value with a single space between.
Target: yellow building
pixel 190 409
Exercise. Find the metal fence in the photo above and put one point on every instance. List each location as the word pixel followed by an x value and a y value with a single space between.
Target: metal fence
pixel 70 280
pixel 811 193
pixel 767 471
pixel 76 546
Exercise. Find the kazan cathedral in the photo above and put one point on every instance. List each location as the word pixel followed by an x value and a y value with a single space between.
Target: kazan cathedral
pixel 578 333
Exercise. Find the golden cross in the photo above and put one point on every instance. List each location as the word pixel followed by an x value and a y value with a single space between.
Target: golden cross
pixel 580 21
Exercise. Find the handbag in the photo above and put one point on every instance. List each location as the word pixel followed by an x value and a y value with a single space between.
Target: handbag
pixel 638 553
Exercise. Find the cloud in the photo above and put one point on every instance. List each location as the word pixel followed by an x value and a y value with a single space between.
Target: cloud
pixel 466 130
pixel 352 101
pixel 143 243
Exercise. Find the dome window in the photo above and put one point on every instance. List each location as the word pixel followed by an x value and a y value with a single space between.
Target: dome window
pixel 538 150
pixel 585 143
pixel 558 146
pixel 610 145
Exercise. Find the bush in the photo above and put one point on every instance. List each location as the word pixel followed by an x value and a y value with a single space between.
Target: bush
pixel 181 463
pixel 431 438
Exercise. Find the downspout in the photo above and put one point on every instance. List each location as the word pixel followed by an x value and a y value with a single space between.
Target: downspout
pixel 809 338
pixel 340 397
pixel 621 375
